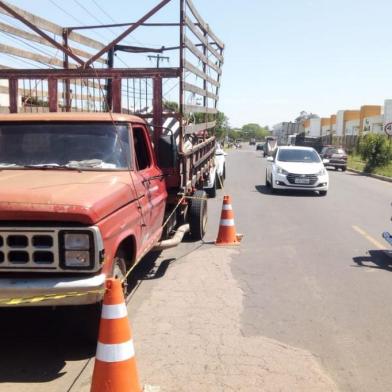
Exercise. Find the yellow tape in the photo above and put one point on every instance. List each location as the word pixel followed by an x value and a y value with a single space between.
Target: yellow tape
pixel 194 197
pixel 31 300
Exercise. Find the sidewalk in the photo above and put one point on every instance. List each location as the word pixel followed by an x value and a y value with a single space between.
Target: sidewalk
pixel 188 334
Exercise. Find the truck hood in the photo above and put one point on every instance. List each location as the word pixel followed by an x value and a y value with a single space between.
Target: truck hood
pixel 301 167
pixel 54 195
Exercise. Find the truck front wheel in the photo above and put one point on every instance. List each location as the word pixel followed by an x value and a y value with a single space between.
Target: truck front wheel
pixel 91 314
pixel 119 272
pixel 198 215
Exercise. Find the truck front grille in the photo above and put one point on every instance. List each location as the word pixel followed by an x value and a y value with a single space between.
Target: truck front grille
pixel 36 250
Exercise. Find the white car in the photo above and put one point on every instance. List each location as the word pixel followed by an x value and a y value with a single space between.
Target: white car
pixel 298 168
pixel 217 174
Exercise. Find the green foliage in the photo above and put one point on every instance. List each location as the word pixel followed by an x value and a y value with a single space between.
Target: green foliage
pixel 34 101
pixel 375 150
pixel 253 130
pixel 222 122
pixel 170 106
pixel 222 125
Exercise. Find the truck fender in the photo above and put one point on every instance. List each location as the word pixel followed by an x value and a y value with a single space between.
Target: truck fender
pixel 126 242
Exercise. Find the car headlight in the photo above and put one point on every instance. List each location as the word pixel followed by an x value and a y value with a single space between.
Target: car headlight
pixel 322 172
pixel 279 170
pixel 76 249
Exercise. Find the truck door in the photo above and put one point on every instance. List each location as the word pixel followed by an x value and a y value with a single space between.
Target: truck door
pixel 152 179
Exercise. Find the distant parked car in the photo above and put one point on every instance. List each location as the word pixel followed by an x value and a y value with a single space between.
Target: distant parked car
pixel 260 147
pixel 336 155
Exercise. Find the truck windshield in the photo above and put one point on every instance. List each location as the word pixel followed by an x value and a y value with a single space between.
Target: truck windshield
pixel 297 155
pixel 95 146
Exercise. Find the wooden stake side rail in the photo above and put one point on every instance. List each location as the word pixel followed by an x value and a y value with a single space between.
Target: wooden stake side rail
pixel 42 41
pixel 52 27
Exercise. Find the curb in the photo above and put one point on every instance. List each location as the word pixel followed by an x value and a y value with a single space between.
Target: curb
pixel 377 176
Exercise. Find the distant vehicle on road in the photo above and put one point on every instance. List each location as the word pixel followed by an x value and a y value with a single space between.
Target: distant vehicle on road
pixel 336 155
pixel 298 168
pixel 260 147
pixel 252 141
pixel 270 146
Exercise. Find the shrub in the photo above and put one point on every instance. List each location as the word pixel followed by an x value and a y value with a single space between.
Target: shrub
pixel 375 150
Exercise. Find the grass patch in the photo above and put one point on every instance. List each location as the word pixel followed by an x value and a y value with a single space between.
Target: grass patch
pixel 355 162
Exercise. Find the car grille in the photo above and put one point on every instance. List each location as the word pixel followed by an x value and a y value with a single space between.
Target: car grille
pixel 28 250
pixel 311 177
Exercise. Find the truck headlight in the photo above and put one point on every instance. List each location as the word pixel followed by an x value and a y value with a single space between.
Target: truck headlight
pixel 77 258
pixel 77 249
pixel 76 241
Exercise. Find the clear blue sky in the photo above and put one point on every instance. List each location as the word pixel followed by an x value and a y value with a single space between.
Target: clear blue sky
pixel 281 56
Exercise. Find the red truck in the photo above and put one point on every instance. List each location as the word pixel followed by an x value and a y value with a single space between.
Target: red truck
pixel 84 196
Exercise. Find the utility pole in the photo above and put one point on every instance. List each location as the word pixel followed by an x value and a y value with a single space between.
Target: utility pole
pixel 159 59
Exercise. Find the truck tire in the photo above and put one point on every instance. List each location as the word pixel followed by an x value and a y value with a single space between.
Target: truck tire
pixel 119 271
pixel 198 215
pixel 211 192
pixel 91 314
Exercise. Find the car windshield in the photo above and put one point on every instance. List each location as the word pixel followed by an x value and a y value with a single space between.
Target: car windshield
pixel 298 155
pixel 96 146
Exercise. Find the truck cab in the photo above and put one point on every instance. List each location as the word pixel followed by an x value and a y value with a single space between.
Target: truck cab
pixel 81 198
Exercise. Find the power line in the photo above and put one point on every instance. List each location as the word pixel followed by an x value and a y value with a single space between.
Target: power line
pixel 22 60
pixel 114 21
pixel 66 12
pixel 31 46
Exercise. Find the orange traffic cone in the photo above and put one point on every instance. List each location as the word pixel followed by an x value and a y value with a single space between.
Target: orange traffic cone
pixel 115 363
pixel 227 234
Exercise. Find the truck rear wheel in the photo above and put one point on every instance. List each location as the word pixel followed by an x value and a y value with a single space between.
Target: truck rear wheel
pixel 198 215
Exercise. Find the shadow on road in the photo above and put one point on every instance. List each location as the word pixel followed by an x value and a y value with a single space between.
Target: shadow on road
pixel 265 190
pixel 379 259
pixel 36 343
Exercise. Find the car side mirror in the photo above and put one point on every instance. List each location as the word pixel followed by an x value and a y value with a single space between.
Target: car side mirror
pixel 325 161
pixel 270 159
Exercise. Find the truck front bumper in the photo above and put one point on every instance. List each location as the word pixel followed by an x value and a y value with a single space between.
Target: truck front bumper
pixel 55 291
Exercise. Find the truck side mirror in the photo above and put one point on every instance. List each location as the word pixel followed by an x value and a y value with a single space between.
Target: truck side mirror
pixel 167 151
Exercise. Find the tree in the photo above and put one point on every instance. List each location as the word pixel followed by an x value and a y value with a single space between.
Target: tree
pixel 376 150
pixel 304 115
pixel 222 125
pixel 253 130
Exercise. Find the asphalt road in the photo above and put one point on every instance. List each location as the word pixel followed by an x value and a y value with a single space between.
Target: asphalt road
pixel 313 271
